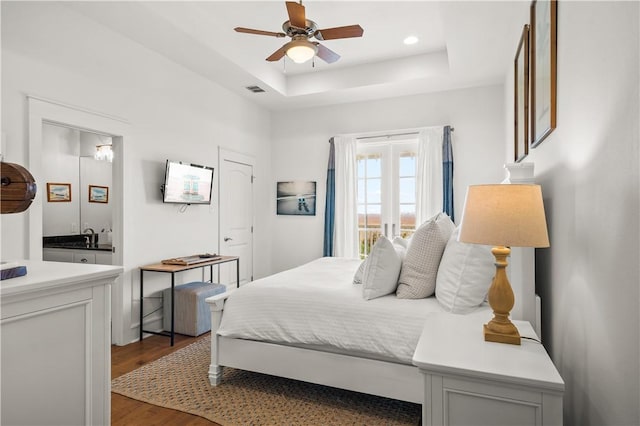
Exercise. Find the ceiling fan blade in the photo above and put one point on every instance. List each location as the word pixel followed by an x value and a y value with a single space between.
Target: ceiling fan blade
pixel 326 54
pixel 259 32
pixel 277 55
pixel 296 13
pixel 339 32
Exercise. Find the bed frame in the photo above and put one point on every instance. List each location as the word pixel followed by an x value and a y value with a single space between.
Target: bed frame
pixel 382 378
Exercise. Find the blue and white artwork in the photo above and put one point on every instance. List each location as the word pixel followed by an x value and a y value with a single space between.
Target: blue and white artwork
pixel 296 198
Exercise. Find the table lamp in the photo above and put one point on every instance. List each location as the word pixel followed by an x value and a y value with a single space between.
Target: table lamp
pixel 503 216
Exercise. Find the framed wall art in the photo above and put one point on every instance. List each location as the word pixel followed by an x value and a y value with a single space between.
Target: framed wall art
pixel 98 194
pixel 521 97
pixel 296 198
pixel 58 192
pixel 543 36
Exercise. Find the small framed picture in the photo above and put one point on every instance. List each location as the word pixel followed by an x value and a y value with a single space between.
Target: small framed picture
pixel 98 194
pixel 297 198
pixel 58 192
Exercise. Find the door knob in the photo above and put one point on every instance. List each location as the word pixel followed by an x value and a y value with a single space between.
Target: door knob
pixel 227 239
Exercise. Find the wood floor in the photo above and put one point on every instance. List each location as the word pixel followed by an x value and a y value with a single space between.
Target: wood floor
pixel 127 411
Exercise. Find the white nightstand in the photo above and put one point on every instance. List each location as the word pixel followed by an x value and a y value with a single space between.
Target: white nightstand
pixel 472 382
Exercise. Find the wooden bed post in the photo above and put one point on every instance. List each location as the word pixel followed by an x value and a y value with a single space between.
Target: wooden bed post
pixel 216 304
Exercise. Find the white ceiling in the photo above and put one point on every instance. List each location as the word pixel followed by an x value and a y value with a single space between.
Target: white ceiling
pixel 461 44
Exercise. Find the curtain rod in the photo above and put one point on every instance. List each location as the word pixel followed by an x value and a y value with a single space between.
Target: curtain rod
pixel 392 135
pixel 387 136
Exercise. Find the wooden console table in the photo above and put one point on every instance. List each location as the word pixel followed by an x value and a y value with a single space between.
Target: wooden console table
pixel 173 269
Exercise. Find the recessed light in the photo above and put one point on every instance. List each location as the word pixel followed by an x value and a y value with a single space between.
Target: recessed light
pixel 411 40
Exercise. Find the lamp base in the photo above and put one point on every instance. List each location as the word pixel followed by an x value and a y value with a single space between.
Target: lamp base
pixel 500 329
pixel 512 338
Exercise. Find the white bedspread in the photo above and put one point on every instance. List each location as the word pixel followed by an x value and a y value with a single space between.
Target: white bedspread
pixel 317 305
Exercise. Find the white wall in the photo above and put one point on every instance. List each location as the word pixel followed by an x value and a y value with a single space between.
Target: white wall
pixel 62 152
pixel 588 167
pixel 56 53
pixel 301 149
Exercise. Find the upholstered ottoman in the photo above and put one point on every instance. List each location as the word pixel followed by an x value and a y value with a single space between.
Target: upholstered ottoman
pixel 192 315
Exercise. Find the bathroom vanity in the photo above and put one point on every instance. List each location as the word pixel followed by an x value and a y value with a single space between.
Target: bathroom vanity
pixel 76 249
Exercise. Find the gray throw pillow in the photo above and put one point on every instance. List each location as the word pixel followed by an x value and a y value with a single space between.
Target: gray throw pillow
pixel 420 266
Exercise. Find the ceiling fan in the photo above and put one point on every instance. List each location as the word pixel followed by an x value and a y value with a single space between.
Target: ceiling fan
pixel 301 30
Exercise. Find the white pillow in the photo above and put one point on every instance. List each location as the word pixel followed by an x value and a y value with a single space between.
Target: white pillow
pixel 464 276
pixel 357 278
pixel 399 244
pixel 420 265
pixel 381 270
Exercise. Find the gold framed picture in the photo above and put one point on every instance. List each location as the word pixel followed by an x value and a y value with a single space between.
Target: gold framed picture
pixel 543 69
pixel 98 194
pixel 58 192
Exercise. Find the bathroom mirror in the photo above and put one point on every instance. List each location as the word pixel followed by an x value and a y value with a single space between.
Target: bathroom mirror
pixel 68 159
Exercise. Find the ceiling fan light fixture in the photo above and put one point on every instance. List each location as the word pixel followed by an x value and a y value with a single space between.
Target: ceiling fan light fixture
pixel 300 51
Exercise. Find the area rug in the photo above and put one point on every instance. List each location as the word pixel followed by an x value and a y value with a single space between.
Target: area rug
pixel 179 381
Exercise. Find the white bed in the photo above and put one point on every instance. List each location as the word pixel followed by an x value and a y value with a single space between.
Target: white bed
pixel 348 342
pixel 311 323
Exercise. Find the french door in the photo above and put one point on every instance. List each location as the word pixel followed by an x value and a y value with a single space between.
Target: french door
pixel 386 191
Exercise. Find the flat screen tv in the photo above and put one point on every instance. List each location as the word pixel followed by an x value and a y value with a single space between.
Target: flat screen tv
pixel 186 183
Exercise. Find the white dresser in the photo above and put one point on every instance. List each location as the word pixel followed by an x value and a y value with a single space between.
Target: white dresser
pixel 470 381
pixel 56 344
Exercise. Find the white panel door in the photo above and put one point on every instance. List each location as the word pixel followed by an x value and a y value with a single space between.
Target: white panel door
pixel 236 218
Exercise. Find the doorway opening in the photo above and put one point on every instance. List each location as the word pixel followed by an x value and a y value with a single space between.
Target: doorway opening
pixel 77 228
pixel 44 112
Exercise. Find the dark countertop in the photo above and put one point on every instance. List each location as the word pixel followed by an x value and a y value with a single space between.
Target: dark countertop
pixel 73 242
pixel 83 246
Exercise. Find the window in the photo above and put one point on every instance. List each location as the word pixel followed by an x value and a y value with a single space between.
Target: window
pixel 386 191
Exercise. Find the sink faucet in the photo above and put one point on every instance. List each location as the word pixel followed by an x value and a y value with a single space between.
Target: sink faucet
pixel 93 239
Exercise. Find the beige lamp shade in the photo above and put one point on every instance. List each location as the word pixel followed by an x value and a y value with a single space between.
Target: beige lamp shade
pixel 504 215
